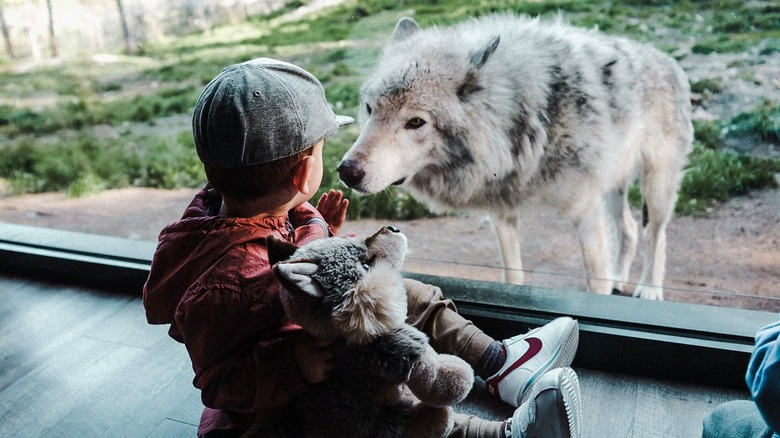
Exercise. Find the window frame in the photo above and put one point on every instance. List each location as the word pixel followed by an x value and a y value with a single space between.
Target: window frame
pixel 677 341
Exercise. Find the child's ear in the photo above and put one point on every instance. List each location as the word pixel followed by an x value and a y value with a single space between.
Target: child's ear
pixel 296 275
pixel 301 172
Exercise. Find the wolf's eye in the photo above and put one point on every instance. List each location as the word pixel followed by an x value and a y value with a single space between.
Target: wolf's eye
pixel 414 123
pixel 366 266
pixel 368 109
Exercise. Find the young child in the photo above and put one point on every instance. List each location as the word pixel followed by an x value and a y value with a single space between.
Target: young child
pixel 259 130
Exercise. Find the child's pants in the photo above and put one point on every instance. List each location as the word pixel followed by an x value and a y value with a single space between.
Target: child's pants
pixel 450 333
pixel 447 330
pixel 469 426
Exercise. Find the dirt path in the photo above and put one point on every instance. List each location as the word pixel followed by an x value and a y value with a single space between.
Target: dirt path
pixel 730 259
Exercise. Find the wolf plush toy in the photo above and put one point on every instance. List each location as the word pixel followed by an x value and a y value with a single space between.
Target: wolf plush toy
pixel 387 381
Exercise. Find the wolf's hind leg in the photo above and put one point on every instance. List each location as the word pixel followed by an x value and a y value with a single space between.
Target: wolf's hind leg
pixel 659 187
pixel 660 191
pixel 624 237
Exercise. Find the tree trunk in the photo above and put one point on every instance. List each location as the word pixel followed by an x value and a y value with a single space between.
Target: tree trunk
pixel 125 28
pixel 93 27
pixel 6 34
pixel 52 38
pixel 32 30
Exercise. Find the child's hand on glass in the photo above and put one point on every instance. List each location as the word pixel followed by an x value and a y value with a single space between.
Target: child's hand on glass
pixel 333 208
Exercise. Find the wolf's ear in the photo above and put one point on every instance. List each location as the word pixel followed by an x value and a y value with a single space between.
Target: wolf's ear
pixel 478 58
pixel 405 28
pixel 278 249
pixel 297 275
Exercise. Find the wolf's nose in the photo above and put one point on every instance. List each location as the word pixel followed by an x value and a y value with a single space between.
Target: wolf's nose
pixel 393 229
pixel 350 172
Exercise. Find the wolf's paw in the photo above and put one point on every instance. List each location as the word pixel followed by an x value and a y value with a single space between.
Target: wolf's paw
pixel 513 276
pixel 649 292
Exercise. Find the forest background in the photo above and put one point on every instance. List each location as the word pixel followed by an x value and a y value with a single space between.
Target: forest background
pixel 95 94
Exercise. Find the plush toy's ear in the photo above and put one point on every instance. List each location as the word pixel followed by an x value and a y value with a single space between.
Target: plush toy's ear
pixel 297 275
pixel 405 28
pixel 278 249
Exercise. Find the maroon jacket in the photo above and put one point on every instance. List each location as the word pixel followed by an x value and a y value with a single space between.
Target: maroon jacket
pixel 210 280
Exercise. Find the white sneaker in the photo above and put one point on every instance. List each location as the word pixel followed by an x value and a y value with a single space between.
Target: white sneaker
pixel 530 355
pixel 552 410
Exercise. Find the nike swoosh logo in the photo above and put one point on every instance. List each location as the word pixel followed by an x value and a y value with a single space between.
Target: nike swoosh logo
pixel 534 347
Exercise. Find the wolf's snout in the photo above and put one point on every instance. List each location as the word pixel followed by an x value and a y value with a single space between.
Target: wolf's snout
pixel 351 172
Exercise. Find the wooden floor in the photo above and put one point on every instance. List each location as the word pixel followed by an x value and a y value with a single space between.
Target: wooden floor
pixel 77 362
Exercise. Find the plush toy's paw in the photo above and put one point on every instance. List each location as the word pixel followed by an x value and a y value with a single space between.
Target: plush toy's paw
pixel 456 378
pixel 440 379
pixel 431 422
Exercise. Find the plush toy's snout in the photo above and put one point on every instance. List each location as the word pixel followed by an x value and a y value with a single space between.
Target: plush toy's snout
pixel 389 244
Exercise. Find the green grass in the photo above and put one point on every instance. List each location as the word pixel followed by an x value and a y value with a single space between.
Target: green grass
pixel 716 176
pixel 89 110
pixel 50 116
pixel 87 164
pixel 707 87
pixel 763 122
pixel 708 133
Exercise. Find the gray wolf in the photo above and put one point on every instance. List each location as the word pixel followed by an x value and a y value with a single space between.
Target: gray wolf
pixel 505 115
pixel 350 291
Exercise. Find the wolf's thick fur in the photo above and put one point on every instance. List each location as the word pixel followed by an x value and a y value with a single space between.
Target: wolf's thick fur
pixel 504 113
pixel 350 292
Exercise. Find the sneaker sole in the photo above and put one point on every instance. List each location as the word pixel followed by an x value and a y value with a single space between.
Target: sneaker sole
pixel 570 388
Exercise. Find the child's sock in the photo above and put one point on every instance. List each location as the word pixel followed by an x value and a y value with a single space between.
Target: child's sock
pixel 506 429
pixel 492 360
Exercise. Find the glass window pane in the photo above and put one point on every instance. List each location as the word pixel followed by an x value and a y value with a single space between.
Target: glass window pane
pixel 95 129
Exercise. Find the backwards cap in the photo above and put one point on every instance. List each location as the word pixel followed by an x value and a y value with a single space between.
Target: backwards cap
pixel 259 111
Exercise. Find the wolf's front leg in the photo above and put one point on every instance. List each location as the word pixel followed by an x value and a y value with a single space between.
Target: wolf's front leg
pixel 593 234
pixel 509 242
